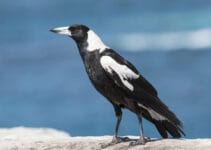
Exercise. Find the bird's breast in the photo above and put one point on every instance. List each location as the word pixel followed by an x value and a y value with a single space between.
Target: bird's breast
pixel 94 69
pixel 101 81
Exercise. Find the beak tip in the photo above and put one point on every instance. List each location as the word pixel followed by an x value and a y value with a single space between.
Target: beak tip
pixel 53 30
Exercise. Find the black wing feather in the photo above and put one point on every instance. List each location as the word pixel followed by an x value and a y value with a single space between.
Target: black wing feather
pixel 144 93
pixel 145 85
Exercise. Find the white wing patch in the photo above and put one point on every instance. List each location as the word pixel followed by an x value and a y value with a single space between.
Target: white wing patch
pixel 124 73
pixel 153 113
pixel 94 42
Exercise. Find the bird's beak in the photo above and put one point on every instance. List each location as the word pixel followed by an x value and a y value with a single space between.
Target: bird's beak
pixel 62 30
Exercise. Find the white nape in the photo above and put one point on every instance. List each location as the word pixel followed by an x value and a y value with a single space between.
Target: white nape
pixel 153 113
pixel 124 73
pixel 94 42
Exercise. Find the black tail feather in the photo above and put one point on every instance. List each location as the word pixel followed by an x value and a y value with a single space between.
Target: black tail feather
pixel 165 126
pixel 174 128
pixel 161 129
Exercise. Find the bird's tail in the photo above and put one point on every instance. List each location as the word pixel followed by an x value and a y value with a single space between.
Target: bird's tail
pixel 165 125
pixel 154 110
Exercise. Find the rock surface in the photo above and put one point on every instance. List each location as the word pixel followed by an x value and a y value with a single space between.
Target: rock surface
pixel 21 138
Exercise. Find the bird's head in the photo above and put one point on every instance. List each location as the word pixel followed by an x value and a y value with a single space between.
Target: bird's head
pixel 84 37
pixel 77 32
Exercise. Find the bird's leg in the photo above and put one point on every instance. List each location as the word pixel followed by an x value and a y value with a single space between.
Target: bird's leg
pixel 141 130
pixel 141 140
pixel 116 139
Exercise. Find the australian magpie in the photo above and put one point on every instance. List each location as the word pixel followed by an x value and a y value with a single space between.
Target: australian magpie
pixel 122 84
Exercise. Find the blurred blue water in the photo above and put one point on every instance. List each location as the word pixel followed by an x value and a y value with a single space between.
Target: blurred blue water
pixel 43 82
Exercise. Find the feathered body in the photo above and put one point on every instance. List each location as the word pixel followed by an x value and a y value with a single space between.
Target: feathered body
pixel 121 83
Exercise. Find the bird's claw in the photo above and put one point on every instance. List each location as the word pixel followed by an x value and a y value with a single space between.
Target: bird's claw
pixel 115 141
pixel 138 142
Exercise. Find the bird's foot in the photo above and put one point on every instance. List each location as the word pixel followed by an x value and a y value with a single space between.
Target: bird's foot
pixel 115 141
pixel 140 141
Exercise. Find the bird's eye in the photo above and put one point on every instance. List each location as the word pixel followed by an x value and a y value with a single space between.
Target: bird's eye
pixel 72 28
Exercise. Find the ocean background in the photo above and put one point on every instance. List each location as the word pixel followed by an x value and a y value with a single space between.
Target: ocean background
pixel 43 82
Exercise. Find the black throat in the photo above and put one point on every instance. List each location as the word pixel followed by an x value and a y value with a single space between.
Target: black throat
pixel 82 46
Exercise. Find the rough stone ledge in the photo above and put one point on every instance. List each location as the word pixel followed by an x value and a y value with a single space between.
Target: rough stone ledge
pixel 21 138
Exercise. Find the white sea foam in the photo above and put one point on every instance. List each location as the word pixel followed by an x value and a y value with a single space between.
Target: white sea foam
pixel 193 40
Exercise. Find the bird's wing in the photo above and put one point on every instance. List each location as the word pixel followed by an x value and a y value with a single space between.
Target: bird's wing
pixel 124 74
pixel 127 78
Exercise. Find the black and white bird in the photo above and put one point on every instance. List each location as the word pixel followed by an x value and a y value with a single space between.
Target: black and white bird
pixel 121 83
